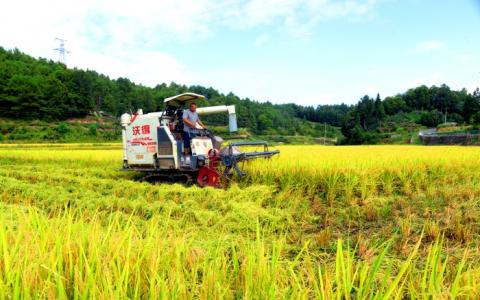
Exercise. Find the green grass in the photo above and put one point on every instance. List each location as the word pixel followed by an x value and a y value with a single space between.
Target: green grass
pixel 73 130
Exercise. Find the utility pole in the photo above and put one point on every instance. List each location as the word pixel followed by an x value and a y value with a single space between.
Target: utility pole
pixel 61 51
pixel 445 117
pixel 325 133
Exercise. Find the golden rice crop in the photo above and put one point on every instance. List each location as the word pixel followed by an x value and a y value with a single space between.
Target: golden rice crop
pixel 314 222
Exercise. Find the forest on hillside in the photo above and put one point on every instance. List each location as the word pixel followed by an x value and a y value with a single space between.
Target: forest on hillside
pixel 40 89
pixel 372 119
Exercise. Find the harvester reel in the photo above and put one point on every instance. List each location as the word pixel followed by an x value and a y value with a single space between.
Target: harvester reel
pixel 232 167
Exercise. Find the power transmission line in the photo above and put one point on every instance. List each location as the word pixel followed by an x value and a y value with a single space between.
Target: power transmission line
pixel 62 51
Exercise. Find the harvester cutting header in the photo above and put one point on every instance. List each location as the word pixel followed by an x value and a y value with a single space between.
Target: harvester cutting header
pixel 175 143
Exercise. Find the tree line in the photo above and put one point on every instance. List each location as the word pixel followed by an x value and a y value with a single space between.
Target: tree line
pixel 426 106
pixel 32 88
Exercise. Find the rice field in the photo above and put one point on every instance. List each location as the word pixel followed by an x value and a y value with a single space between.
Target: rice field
pixel 316 222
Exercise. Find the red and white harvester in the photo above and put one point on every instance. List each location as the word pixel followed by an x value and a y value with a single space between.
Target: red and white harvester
pixel 152 143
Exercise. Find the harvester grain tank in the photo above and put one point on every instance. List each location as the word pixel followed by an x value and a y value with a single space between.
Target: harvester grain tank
pixel 153 143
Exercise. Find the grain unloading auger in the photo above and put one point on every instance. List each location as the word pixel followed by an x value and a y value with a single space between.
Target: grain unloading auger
pixel 153 143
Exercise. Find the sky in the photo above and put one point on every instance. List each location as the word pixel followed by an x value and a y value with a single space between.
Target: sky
pixel 307 52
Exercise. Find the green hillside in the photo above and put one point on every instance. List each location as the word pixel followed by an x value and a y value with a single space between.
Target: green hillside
pixel 43 90
pixel 42 100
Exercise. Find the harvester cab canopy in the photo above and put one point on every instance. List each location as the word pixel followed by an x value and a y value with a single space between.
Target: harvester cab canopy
pixel 183 100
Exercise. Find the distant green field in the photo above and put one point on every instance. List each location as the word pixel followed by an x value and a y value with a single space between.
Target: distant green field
pixel 41 131
pixel 356 222
pixel 95 130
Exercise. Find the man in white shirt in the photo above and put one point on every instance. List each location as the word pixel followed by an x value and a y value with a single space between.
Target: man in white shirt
pixel 190 121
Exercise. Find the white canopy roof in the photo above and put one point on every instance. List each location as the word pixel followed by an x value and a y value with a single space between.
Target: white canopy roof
pixel 183 99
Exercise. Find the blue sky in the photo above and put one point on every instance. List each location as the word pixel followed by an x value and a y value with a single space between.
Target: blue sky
pixel 307 52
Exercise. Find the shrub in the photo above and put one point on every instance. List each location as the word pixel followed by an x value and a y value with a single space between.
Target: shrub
pixel 431 118
pixel 63 129
pixel 92 130
pixel 475 120
pixel 456 118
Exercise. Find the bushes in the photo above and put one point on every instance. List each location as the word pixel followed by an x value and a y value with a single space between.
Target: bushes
pixel 475 120
pixel 454 117
pixel 63 129
pixel 92 129
pixel 41 131
pixel 434 118
pixel 431 118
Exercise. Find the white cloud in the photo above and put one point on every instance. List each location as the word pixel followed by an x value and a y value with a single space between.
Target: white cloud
pixel 136 39
pixel 298 17
pixel 148 68
pixel 427 46
pixel 118 38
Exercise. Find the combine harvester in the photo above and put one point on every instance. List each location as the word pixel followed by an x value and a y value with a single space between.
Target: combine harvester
pixel 153 143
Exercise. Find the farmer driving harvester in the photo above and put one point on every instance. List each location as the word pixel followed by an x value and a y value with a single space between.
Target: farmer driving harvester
pixel 190 119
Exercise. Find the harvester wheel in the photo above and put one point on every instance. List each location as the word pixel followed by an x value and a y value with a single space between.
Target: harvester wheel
pixel 208 177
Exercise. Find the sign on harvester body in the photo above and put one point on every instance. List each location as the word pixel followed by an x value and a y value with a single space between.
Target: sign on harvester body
pixel 142 141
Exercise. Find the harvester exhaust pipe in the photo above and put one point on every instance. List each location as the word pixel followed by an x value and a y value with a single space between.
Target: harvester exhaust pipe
pixel 232 116
pixel 125 119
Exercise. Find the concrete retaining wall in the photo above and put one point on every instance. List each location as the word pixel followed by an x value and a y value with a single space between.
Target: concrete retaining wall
pixel 453 139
